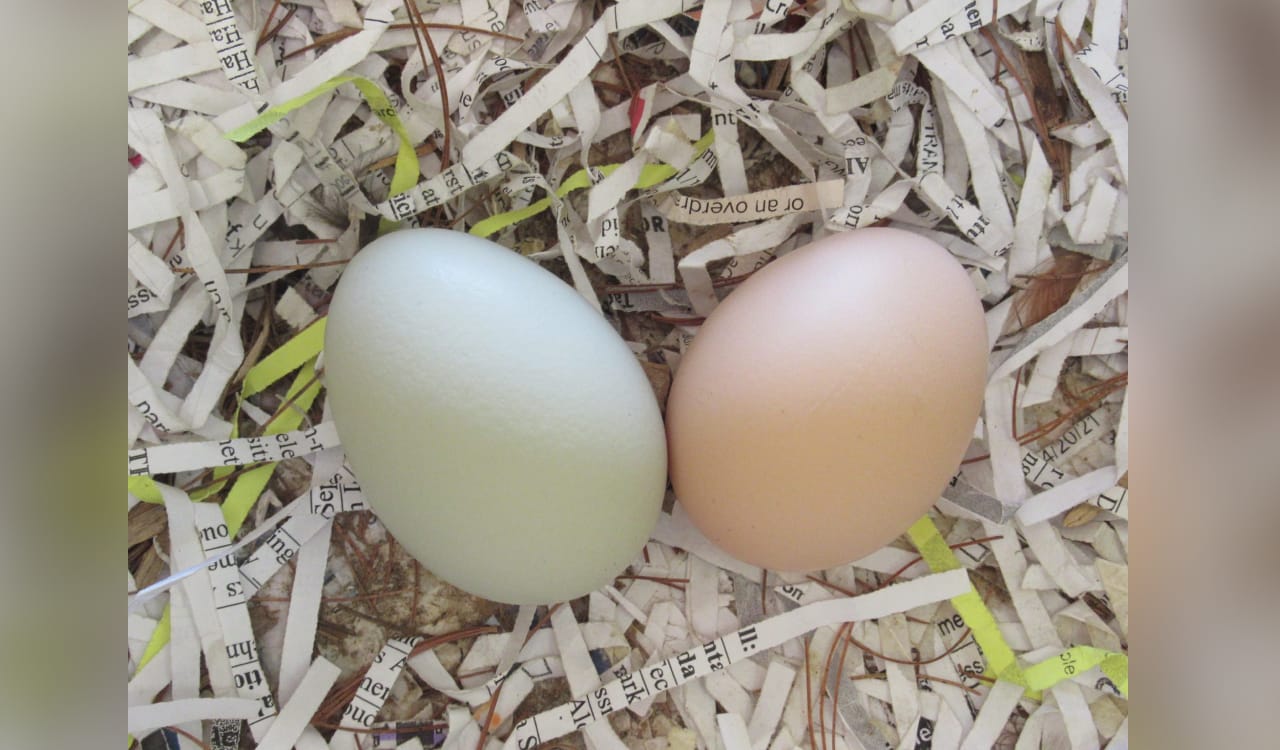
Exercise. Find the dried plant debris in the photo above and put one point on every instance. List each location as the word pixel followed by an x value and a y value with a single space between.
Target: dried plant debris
pixel 653 153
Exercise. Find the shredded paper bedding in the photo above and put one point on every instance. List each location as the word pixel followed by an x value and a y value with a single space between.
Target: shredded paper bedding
pixel 653 153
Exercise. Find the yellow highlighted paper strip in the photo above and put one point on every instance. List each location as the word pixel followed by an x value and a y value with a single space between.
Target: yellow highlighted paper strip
pixel 651 175
pixel 144 488
pixel 1001 661
pixel 406 171
pixel 1079 659
pixel 939 557
pixel 295 352
pixel 306 345
pixel 159 637
pixel 249 486
pixel 285 359
pixel 1116 667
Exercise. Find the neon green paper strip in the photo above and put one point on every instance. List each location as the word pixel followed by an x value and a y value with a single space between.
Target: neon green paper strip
pixel 939 557
pixel 652 174
pixel 296 352
pixel 498 222
pixel 1001 661
pixel 144 488
pixel 1079 659
pixel 249 486
pixel 406 172
pixel 290 356
pixel 159 637
pixel 1116 667
pixel 244 495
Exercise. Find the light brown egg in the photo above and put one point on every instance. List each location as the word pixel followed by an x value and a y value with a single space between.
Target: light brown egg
pixel 825 403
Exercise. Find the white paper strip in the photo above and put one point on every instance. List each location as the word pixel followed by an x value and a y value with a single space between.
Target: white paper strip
pixel 233 613
pixel 1060 499
pixel 1000 702
pixel 733 731
pixel 296 714
pixel 374 689
pixel 718 654
pixel 773 697
pixel 163 459
pixel 151 716
pixel 159 587
pixel 304 604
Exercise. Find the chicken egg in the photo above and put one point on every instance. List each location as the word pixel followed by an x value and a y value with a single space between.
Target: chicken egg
pixel 499 427
pixel 824 404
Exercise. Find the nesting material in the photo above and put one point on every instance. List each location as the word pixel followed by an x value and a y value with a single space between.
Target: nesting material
pixel 652 153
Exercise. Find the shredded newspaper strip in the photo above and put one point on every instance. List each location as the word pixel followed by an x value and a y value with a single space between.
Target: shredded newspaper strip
pixel 653 153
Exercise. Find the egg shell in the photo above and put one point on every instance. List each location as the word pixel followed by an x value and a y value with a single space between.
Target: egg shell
pixel 500 428
pixel 823 406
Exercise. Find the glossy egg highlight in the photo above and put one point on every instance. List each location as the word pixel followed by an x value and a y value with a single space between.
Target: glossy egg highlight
pixel 499 427
pixel 824 404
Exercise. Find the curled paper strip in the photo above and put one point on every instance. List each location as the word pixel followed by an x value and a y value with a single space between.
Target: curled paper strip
pixel 722 652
